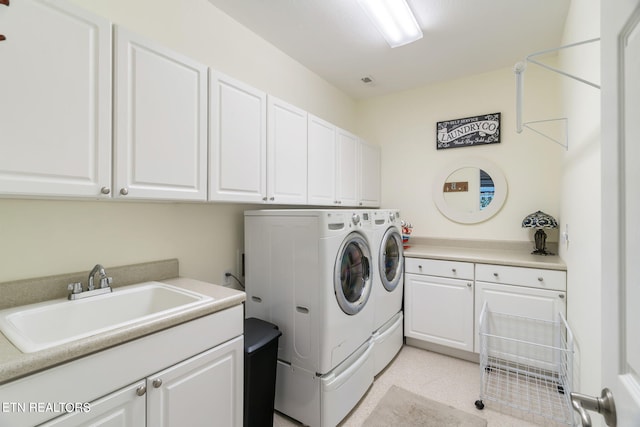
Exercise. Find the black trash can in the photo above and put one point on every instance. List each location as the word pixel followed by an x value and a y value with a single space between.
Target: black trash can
pixel 260 359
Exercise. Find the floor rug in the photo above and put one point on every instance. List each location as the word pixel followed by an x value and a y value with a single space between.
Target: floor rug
pixel 400 407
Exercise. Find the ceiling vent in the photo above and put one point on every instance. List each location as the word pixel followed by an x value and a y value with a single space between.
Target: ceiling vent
pixel 368 80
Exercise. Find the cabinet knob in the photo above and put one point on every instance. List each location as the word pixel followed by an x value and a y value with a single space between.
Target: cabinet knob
pixel 468 284
pixel 540 279
pixel 561 296
pixel 6 3
pixel 272 198
pixel 157 382
pixel 264 199
pixel 124 191
pixel 453 270
pixel 495 274
pixel 140 391
pixel 105 190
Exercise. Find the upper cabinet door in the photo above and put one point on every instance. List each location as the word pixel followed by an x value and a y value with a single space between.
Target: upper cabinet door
pixel 55 100
pixel 321 163
pixel 161 121
pixel 237 158
pixel 348 173
pixel 369 175
pixel 286 153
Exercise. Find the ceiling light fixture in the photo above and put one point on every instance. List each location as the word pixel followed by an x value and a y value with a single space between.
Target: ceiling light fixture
pixel 394 20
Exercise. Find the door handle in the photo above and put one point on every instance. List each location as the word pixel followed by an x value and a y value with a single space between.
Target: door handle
pixel 603 405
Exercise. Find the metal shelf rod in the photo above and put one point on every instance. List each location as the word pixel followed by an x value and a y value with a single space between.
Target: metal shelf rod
pixel 519 72
pixel 548 67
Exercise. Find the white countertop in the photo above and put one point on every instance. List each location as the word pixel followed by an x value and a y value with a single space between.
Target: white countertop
pixel 15 364
pixel 514 254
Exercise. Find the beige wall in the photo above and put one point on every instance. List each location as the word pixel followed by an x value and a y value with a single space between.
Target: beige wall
pixel 581 190
pixel 404 125
pixel 43 237
pixel 198 29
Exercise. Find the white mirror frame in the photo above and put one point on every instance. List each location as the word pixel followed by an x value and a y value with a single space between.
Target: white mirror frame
pixel 496 204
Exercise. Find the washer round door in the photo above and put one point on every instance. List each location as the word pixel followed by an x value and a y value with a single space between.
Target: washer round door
pixel 352 274
pixel 390 259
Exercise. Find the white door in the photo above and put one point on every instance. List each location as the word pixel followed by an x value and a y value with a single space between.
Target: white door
pixel 123 408
pixel 532 303
pixel 321 162
pixel 620 47
pixel 439 310
pixel 203 391
pixel 286 153
pixel 347 146
pixel 55 100
pixel 237 155
pixel 161 121
pixel 369 175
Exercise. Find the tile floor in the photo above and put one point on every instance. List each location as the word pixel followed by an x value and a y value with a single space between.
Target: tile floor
pixel 445 379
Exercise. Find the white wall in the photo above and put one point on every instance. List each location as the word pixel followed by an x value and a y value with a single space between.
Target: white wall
pixel 581 190
pixel 404 125
pixel 44 237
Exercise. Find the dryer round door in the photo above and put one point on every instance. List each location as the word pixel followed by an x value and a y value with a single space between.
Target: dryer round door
pixel 352 274
pixel 390 259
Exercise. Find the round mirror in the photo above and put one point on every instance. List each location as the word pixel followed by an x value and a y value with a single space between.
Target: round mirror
pixel 469 191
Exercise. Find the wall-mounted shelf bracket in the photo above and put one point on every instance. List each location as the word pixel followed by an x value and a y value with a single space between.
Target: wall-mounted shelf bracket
pixel 519 69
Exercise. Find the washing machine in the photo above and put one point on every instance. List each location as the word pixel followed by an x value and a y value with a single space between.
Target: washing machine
pixel 310 272
pixel 385 232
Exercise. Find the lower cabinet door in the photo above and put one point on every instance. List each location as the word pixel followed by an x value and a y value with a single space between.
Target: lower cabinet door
pixel 532 303
pixel 123 408
pixel 439 310
pixel 205 390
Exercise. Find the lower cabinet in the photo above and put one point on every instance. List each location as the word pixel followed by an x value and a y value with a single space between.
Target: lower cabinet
pixel 439 309
pixel 122 408
pixel 444 299
pixel 186 375
pixel 527 292
pixel 198 391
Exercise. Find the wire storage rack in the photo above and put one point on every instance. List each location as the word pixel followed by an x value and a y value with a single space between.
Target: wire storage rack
pixel 527 364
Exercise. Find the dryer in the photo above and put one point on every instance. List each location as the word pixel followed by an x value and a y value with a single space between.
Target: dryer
pixel 310 272
pixel 388 284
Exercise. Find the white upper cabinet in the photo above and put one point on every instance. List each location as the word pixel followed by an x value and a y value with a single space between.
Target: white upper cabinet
pixel 160 121
pixel 286 153
pixel 370 181
pixel 347 178
pixel 237 157
pixel 321 163
pixel 343 170
pixel 55 99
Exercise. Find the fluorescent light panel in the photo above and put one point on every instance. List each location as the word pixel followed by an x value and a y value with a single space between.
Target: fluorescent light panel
pixel 394 20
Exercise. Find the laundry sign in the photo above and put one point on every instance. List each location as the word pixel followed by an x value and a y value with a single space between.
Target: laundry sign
pixel 476 130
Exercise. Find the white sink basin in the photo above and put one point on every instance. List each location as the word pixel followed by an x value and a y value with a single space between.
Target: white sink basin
pixel 43 325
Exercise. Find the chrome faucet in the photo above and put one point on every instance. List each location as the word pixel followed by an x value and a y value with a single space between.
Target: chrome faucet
pixel 104 280
pixel 75 289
